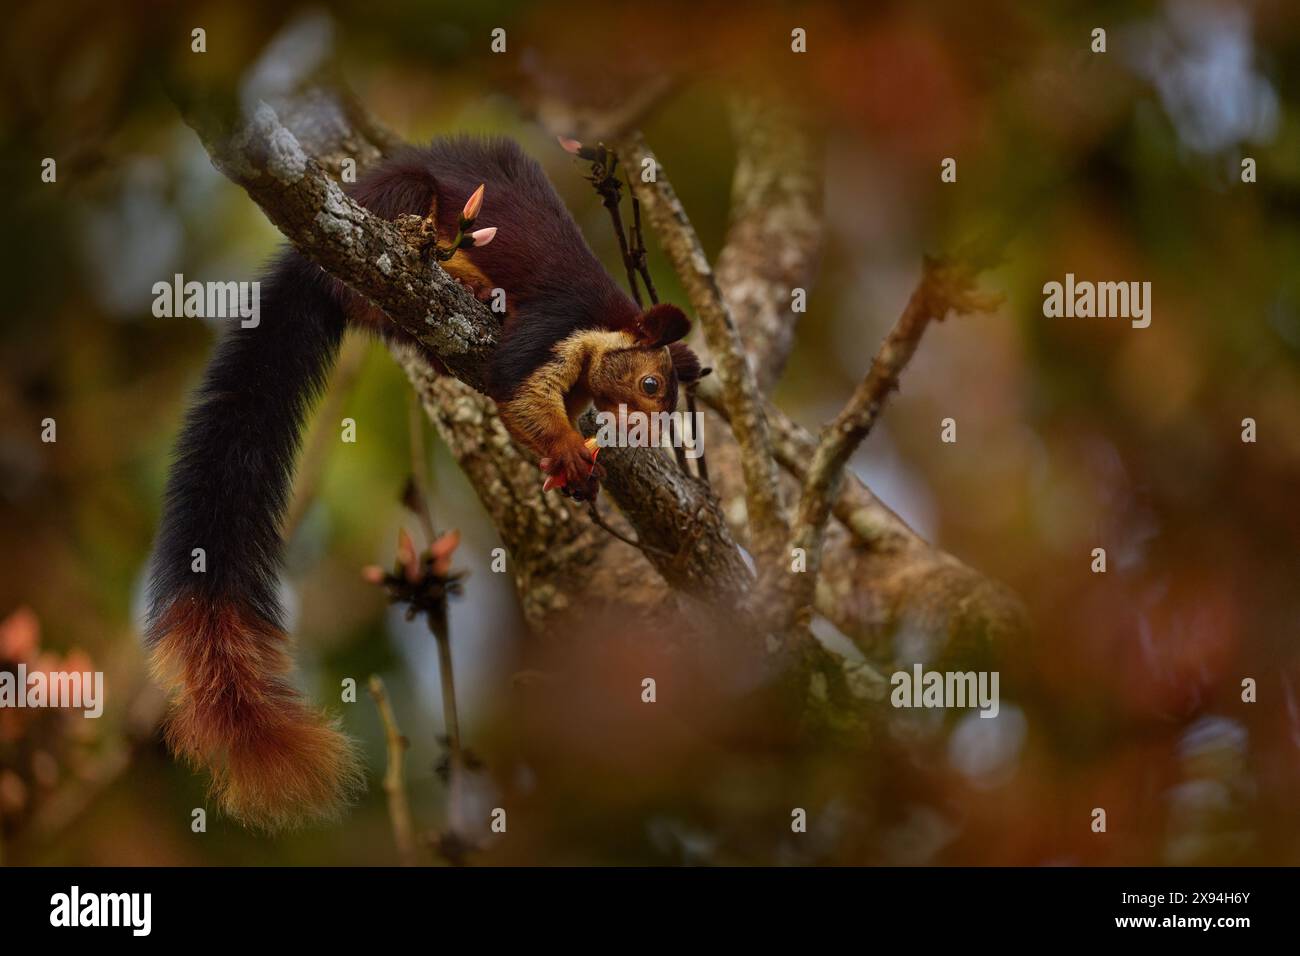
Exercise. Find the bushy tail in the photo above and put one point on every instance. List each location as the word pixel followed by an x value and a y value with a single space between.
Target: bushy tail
pixel 215 624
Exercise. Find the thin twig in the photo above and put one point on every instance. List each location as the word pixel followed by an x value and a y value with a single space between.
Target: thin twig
pixel 399 808
pixel 611 194
pixel 451 722
pixel 600 522
pixel 638 243
pixel 604 179
pixel 701 464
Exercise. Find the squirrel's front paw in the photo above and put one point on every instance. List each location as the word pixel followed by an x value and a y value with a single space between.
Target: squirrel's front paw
pixel 574 471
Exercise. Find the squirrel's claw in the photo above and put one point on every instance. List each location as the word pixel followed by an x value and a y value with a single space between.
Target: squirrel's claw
pixel 562 473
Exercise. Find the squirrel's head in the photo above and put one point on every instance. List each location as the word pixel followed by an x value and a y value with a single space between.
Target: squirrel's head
pixel 645 375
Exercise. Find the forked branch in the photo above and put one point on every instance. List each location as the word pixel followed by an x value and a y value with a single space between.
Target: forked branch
pixel 945 286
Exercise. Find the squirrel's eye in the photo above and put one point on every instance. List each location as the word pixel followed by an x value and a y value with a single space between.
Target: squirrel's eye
pixel 650 384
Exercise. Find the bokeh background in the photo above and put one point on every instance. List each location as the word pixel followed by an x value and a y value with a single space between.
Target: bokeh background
pixel 1072 433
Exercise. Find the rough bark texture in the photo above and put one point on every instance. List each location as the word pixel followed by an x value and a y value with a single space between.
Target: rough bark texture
pixel 680 519
pixel 259 153
pixel 775 232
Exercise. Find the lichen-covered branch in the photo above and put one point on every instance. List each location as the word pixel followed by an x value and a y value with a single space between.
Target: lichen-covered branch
pixel 368 253
pixel 774 236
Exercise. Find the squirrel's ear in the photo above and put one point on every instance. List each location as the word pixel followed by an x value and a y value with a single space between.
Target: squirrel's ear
pixel 661 324
pixel 685 362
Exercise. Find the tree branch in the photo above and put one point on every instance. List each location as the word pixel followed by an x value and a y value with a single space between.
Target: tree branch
pixel 877 573
pixel 872 522
pixel 739 389
pixel 399 808
pixel 774 236
pixel 370 254
pixel 944 286
pixel 881 575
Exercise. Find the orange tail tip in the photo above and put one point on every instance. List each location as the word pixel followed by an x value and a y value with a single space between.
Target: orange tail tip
pixel 275 762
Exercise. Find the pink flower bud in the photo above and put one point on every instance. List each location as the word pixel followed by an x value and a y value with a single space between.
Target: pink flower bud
pixel 473 204
pixel 406 556
pixel 569 145
pixel 441 552
pixel 372 574
pixel 482 237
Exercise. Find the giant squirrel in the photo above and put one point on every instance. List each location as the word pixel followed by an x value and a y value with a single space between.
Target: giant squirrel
pixel 571 338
